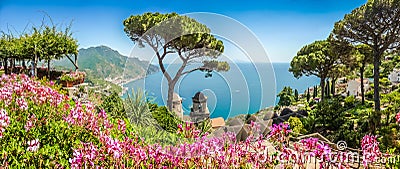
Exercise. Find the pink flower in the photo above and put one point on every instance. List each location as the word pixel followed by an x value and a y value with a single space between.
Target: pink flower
pixel 4 121
pixel 29 124
pixel 398 117
pixel 370 149
pixel 33 145
pixel 121 125
pixel 113 147
pixel 279 132
pixel 22 104
pixel 102 114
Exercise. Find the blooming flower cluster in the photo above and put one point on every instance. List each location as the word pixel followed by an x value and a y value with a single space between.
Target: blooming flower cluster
pixel 279 132
pixel 33 145
pixel 21 88
pixel 398 117
pixel 370 149
pixel 189 130
pixel 30 122
pixel 4 121
pixel 85 156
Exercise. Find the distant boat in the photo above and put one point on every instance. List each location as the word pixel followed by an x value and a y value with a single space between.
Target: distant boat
pixel 237 91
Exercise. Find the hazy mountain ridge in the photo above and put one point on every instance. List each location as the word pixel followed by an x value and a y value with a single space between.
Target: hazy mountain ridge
pixel 106 63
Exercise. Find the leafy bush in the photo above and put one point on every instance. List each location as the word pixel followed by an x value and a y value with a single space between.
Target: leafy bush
pixel 350 102
pixel 153 135
pixel 164 118
pixel 369 95
pixel 296 125
pixel 327 116
pixel 114 105
pixel 286 96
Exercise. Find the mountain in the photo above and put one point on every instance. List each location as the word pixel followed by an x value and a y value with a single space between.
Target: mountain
pixel 102 62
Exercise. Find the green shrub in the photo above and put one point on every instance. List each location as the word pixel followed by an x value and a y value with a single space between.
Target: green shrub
pixel 286 97
pixel 164 118
pixel 296 125
pixel 369 95
pixel 350 102
pixel 114 105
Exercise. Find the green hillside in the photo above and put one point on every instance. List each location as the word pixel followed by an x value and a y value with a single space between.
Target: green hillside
pixel 105 63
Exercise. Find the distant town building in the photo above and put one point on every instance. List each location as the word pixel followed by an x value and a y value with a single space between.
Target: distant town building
pixel 199 111
pixel 177 105
pixel 354 87
pixel 394 76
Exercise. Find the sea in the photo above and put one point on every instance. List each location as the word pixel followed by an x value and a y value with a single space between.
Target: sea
pixel 245 89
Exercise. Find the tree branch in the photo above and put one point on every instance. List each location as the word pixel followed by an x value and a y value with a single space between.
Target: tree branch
pixel 190 71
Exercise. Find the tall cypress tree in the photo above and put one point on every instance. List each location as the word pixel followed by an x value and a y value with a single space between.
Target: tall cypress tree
pixel 308 94
pixel 315 92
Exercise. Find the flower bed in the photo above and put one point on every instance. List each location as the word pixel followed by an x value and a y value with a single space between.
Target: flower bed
pixel 42 128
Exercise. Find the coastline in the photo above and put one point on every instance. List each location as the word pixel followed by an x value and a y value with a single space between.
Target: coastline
pixel 123 83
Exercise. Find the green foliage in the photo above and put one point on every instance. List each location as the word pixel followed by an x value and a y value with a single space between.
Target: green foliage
pixel 327 116
pixel 369 71
pixel 286 96
pixel 384 82
pixel 369 94
pixel 204 126
pixel 153 135
pixel 106 86
pixel 165 119
pixel 296 125
pixel 114 106
pixel 320 59
pixel 137 110
pixel 350 102
pixel 42 43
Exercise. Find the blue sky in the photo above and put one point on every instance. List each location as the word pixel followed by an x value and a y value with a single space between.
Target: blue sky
pixel 282 26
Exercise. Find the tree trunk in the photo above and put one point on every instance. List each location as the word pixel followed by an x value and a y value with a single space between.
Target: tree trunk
pixel 76 62
pixel 362 84
pixel 327 89
pixel 48 68
pixel 322 84
pixel 35 66
pixel 376 89
pixel 12 64
pixel 171 87
pixel 5 65
pixel 333 87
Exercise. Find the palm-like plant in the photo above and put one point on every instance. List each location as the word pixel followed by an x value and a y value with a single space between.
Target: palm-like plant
pixel 137 109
